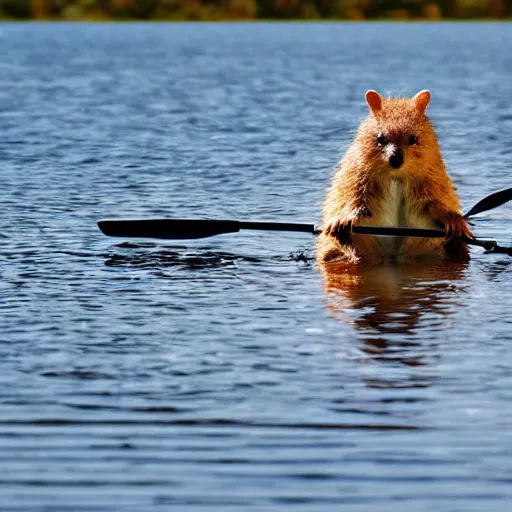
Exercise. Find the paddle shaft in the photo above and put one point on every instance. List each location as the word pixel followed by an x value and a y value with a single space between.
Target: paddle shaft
pixel 367 230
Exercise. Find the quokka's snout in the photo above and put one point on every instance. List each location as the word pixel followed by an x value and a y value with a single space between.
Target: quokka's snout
pixel 396 157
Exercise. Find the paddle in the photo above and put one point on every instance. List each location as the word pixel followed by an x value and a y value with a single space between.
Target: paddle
pixel 178 229
pixel 489 202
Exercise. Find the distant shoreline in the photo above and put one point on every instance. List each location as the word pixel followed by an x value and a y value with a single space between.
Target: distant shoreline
pixel 256 20
pixel 255 10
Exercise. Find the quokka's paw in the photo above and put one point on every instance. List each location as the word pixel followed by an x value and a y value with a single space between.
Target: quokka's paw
pixel 456 226
pixel 340 229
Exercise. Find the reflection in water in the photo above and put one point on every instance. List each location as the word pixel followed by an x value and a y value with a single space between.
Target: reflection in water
pixel 394 308
pixel 152 256
pixel 495 269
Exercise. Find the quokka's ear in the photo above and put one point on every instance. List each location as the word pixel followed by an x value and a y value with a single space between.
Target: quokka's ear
pixel 421 100
pixel 374 101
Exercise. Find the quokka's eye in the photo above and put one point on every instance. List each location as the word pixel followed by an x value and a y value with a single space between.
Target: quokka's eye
pixel 381 140
pixel 413 140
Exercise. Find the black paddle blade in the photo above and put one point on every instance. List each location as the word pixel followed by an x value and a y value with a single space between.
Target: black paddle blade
pixel 490 202
pixel 169 229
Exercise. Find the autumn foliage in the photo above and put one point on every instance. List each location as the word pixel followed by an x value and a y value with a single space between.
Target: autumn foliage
pixel 252 9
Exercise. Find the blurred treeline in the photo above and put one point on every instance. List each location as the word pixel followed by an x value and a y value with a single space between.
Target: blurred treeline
pixel 253 9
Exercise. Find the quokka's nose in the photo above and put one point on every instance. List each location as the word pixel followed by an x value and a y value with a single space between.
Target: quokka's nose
pixel 397 158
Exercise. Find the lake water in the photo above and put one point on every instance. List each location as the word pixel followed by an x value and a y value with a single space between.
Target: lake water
pixel 226 373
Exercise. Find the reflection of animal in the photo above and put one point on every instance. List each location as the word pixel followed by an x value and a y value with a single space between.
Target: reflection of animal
pixel 394 308
pixel 392 175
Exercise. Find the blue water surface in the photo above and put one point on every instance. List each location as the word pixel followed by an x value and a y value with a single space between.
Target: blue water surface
pixel 227 373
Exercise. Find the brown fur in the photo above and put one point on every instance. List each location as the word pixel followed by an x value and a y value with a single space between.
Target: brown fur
pixel 367 190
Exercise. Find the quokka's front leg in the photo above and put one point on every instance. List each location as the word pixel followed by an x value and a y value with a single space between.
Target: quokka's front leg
pixel 454 224
pixel 336 241
pixel 456 228
pixel 340 226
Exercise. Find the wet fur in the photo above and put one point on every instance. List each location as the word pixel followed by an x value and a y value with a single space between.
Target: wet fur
pixel 366 190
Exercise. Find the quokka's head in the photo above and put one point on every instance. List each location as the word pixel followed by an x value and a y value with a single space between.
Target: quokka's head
pixel 397 134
